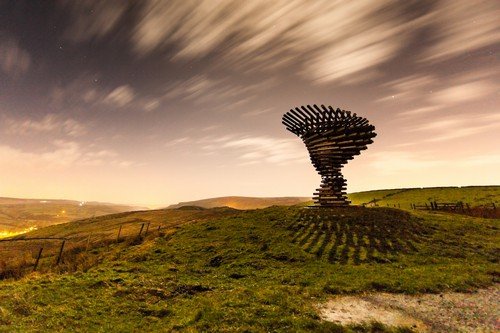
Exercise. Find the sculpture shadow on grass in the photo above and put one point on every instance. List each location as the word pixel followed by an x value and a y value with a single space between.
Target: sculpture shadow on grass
pixel 356 234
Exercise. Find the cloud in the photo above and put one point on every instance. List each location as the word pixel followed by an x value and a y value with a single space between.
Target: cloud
pixel 14 60
pixel 425 93
pixel 264 149
pixel 151 104
pixel 331 41
pixel 82 88
pixel 409 88
pixel 462 26
pixel 324 41
pixel 92 18
pixel 50 123
pixel 403 161
pixel 203 90
pixel 120 96
pixel 465 92
pixel 61 154
pixel 455 127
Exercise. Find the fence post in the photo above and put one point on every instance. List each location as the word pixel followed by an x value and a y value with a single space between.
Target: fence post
pixel 147 228
pixel 494 207
pixel 88 243
pixel 140 231
pixel 60 252
pixel 119 232
pixel 37 259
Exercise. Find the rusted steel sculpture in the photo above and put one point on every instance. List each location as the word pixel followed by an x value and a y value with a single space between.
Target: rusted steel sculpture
pixel 332 137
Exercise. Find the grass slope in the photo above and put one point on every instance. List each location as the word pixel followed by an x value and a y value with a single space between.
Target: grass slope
pixel 258 270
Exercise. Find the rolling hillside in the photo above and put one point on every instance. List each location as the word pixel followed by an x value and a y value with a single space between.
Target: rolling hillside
pixel 222 269
pixel 17 215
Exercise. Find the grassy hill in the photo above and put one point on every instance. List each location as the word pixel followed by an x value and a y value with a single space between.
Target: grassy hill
pixel 252 270
pixel 474 195
pixel 243 202
pixel 17 215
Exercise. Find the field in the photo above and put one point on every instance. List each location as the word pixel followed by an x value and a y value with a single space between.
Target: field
pixel 253 270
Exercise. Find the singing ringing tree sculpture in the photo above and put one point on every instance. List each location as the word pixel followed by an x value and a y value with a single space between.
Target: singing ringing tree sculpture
pixel 332 137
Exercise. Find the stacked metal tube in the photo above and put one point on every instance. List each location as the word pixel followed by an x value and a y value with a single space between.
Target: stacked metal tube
pixel 332 137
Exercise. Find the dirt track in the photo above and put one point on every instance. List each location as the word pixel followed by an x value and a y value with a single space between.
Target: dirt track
pixel 447 312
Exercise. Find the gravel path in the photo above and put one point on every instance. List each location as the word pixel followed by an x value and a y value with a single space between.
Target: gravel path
pixel 447 312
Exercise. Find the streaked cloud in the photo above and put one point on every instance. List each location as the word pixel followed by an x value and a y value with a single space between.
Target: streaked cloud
pixel 465 92
pixel 462 26
pixel 14 60
pixel 256 149
pixel 338 39
pixel 50 123
pixel 458 126
pixel 92 18
pixel 60 154
pixel 120 96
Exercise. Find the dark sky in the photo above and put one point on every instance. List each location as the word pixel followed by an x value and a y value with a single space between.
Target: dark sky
pixel 153 102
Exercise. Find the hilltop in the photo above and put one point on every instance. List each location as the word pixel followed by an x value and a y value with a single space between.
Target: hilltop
pixel 243 202
pixel 474 195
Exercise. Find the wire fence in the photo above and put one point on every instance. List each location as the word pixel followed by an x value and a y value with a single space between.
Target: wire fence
pixel 20 255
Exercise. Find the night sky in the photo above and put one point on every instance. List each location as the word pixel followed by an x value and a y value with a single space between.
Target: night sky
pixel 155 102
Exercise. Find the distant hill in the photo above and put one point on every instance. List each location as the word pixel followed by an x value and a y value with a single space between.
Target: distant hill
pixel 474 195
pixel 17 215
pixel 243 202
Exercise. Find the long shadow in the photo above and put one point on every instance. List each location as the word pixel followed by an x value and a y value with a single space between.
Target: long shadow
pixel 343 235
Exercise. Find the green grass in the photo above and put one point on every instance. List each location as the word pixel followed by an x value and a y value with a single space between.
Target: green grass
pixel 474 195
pixel 254 271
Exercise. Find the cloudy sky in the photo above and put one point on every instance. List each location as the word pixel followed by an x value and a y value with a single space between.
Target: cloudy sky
pixel 154 102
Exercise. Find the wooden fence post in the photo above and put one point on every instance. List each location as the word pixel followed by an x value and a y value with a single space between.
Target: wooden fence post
pixel 140 231
pixel 147 228
pixel 60 252
pixel 37 259
pixel 88 243
pixel 119 232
